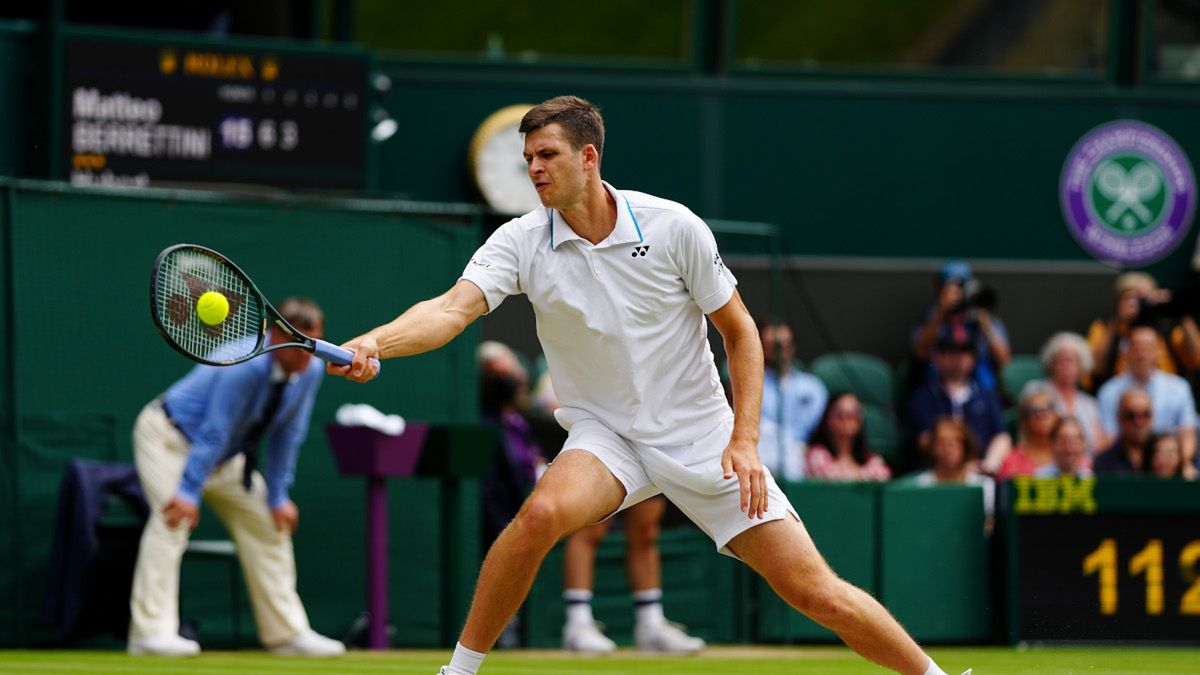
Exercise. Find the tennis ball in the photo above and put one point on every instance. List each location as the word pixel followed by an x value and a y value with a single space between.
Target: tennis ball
pixel 212 308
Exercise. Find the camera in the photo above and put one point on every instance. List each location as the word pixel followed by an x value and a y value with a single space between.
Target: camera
pixel 976 295
pixel 1151 313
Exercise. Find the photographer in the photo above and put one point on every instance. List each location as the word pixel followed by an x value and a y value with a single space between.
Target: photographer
pixel 1140 302
pixel 964 305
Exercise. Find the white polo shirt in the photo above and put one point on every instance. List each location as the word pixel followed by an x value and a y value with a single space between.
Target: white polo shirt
pixel 621 322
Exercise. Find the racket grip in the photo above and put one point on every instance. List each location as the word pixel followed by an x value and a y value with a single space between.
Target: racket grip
pixel 340 356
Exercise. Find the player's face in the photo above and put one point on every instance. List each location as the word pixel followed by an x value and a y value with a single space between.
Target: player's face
pixel 558 172
pixel 294 360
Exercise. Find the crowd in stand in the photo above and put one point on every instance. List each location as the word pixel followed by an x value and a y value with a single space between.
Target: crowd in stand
pixel 1115 402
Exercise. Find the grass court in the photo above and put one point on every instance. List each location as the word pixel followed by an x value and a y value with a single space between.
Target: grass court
pixel 715 661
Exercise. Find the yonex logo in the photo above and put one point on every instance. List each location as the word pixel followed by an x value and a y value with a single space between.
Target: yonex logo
pixel 640 251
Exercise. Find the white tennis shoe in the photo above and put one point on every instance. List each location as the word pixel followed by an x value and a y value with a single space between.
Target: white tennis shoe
pixel 163 645
pixel 666 637
pixel 586 638
pixel 310 643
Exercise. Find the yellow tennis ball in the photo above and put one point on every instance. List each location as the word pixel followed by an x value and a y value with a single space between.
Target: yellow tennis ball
pixel 212 308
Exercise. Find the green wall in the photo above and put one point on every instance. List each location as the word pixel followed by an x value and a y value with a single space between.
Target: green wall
pixel 82 358
pixel 890 167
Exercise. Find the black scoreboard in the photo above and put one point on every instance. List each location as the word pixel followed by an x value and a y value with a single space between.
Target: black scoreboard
pixel 141 112
pixel 1110 560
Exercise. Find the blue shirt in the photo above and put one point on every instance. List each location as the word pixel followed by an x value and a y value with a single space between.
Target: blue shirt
pixel 215 407
pixel 796 404
pixel 981 411
pixel 1170 400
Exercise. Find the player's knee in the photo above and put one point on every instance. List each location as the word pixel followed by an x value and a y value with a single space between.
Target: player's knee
pixel 540 516
pixel 829 604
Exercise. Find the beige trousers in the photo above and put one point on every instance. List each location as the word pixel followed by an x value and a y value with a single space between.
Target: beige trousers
pixel 268 563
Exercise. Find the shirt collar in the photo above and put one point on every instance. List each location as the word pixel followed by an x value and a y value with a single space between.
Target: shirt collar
pixel 626 230
pixel 278 374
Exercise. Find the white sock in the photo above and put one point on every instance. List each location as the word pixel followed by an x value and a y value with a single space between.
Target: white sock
pixel 465 661
pixel 579 606
pixel 649 607
pixel 933 669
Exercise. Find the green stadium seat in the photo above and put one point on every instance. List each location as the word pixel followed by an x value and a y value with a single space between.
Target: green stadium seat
pixel 1020 370
pixel 884 435
pixel 868 376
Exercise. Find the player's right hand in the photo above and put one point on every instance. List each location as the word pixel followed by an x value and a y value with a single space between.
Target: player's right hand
pixel 360 369
pixel 180 511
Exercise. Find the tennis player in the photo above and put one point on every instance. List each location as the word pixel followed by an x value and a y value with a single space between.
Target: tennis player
pixel 621 283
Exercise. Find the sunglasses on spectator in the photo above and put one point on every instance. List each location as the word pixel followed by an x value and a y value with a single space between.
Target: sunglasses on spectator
pixel 1039 409
pixel 1135 415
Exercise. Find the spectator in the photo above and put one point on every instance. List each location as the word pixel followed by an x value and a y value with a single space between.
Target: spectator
pixel 503 392
pixel 953 446
pixel 1070 456
pixel 1165 460
pixel 1170 396
pixel 1135 418
pixel 960 308
pixel 1066 359
pixel 1137 297
pixel 1035 443
pixel 838 451
pixel 954 393
pixel 792 400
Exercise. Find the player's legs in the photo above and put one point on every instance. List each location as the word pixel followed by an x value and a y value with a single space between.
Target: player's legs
pixel 267 556
pixel 782 553
pixel 160 453
pixel 577 490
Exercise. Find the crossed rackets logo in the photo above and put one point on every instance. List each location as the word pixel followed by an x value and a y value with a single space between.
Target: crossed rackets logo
pixel 640 251
pixel 1128 194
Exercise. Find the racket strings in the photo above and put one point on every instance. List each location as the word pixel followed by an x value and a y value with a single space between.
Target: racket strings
pixel 186 274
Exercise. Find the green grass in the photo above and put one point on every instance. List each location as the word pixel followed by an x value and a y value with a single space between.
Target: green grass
pixel 722 661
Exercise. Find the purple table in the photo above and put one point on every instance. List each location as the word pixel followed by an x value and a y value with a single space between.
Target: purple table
pixel 362 451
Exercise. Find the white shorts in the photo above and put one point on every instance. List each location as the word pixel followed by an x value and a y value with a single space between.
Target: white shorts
pixel 689 475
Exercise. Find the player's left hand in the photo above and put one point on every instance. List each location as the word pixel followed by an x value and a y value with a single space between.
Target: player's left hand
pixel 286 517
pixel 741 458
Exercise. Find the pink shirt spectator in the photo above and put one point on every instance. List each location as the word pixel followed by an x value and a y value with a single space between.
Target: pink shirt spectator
pixel 822 465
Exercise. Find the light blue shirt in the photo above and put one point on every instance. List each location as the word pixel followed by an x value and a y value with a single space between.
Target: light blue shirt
pixel 216 407
pixel 794 405
pixel 1170 399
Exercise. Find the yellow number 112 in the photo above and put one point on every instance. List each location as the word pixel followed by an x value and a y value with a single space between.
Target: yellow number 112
pixel 1148 561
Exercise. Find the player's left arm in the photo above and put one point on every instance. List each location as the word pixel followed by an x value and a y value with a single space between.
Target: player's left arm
pixel 744 350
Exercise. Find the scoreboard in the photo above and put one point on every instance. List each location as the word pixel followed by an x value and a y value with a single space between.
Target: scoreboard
pixel 1111 560
pixel 141 112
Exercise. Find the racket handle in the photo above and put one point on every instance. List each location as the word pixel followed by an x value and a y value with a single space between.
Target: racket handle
pixel 338 355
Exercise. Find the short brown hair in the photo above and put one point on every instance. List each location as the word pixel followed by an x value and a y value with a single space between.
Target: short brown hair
pixel 302 313
pixel 580 120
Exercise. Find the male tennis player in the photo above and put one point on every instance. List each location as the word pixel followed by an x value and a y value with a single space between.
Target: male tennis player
pixel 621 283
pixel 199 440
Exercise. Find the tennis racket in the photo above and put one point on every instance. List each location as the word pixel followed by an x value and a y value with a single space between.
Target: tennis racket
pixel 185 272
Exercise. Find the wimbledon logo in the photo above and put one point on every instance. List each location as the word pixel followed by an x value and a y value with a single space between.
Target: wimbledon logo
pixel 1128 193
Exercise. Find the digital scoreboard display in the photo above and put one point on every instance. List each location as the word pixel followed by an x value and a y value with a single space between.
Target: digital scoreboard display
pixel 141 113
pixel 1112 561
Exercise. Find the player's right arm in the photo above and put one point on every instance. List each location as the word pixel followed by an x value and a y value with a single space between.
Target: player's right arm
pixel 423 327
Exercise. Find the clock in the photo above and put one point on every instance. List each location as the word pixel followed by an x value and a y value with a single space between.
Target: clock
pixel 497 163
